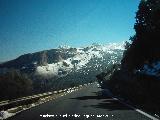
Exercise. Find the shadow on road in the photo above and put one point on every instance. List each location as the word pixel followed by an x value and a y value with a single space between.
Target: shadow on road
pixel 110 104
pixel 105 102
pixel 97 95
pixel 89 97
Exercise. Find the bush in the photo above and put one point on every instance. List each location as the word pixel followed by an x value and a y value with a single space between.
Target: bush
pixel 14 84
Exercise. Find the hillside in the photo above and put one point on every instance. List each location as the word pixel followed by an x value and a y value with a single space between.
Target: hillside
pixel 65 66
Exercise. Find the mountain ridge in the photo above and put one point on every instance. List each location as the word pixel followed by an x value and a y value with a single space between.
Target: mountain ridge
pixel 45 56
pixel 66 66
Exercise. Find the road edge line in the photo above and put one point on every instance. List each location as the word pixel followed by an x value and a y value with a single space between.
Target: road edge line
pixel 137 110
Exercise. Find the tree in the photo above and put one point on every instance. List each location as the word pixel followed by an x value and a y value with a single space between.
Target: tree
pixel 145 43
pixel 127 45
pixel 14 84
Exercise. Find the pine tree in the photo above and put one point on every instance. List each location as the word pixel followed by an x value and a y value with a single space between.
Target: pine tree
pixel 14 84
pixel 145 43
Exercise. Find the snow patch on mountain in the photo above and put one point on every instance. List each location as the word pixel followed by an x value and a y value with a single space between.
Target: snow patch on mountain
pixel 81 57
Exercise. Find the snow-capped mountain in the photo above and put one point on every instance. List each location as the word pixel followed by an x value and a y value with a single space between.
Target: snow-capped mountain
pixel 67 64
pixel 79 58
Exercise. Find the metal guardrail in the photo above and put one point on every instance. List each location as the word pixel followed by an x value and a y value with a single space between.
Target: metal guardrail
pixel 11 103
pixel 29 99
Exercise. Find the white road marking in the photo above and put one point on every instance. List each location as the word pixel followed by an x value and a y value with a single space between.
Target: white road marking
pixel 137 110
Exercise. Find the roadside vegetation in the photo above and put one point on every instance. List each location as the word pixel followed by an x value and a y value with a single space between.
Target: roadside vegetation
pixel 14 84
pixel 137 79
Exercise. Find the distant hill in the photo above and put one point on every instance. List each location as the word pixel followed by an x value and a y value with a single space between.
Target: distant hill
pixel 66 66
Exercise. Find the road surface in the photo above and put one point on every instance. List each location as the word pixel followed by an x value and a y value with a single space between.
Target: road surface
pixel 87 103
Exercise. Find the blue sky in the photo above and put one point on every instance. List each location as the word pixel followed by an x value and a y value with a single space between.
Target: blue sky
pixel 34 25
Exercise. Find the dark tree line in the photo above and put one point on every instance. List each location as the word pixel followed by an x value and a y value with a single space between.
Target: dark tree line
pixel 145 46
pixel 140 89
pixel 14 84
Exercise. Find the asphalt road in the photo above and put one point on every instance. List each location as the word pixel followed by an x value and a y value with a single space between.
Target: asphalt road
pixel 88 103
